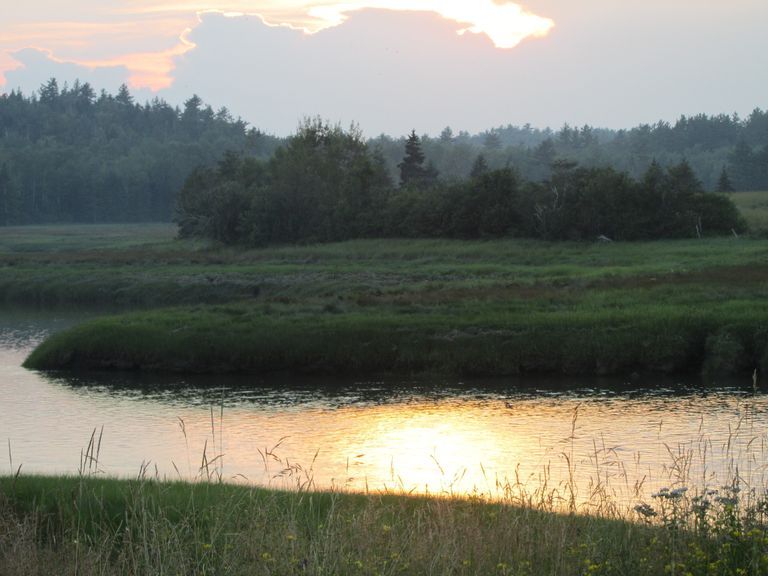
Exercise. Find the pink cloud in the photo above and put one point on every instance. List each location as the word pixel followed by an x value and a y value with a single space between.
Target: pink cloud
pixel 144 36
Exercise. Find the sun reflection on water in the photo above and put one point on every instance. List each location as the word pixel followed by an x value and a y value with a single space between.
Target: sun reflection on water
pixel 563 440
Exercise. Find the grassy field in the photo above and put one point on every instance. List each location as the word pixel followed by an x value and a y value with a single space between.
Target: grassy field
pixel 84 526
pixel 404 306
pixel 459 307
pixel 754 207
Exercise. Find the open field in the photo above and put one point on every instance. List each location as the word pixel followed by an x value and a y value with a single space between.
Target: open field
pixel 754 207
pixel 89 526
pixel 113 266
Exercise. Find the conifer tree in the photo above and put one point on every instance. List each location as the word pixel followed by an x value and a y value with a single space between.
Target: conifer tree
pixel 412 169
pixel 479 168
pixel 724 183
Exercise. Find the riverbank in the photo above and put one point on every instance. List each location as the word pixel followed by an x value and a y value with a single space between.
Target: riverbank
pixel 477 308
pixel 98 526
pixel 624 336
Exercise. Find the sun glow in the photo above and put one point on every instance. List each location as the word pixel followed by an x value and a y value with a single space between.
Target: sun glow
pixel 505 24
pixel 145 36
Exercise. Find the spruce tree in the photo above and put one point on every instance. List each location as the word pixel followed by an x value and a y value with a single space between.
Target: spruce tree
pixel 492 141
pixel 412 169
pixel 724 183
pixel 479 168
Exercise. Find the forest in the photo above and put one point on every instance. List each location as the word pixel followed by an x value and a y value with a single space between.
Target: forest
pixel 70 154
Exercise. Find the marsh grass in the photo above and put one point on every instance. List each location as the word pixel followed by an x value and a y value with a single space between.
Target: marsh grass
pixel 134 266
pixel 398 306
pixel 473 339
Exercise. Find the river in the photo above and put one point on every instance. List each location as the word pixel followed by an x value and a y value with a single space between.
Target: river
pixel 594 440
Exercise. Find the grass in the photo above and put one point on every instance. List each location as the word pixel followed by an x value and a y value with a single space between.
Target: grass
pixel 85 525
pixel 129 268
pixel 481 340
pixel 480 308
pixel 398 306
pixel 754 208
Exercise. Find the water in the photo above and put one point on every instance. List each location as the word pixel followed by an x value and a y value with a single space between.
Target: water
pixel 533 436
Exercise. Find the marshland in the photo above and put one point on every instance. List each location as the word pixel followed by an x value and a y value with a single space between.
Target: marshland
pixel 556 471
pixel 545 368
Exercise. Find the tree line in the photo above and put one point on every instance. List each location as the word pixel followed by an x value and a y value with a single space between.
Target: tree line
pixel 711 145
pixel 68 154
pixel 329 184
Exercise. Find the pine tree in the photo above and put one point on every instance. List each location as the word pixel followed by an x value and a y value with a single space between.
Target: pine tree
pixel 724 183
pixel 479 168
pixel 124 96
pixel 412 169
pixel 492 141
pixel 49 91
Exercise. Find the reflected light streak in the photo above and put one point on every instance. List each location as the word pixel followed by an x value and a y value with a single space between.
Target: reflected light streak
pixel 452 446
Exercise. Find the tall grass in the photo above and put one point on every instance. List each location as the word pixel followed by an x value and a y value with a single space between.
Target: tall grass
pixel 477 339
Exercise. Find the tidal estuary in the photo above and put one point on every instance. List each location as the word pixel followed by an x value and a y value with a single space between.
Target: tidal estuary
pixel 532 438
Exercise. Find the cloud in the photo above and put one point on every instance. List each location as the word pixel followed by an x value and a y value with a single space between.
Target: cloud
pixel 393 71
pixel 507 23
pixel 38 66
pixel 386 70
pixel 606 63
pixel 144 35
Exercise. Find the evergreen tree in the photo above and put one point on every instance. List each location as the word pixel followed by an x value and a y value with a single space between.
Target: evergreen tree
pixel 6 199
pixel 479 168
pixel 743 164
pixel 49 91
pixel 492 140
pixel 724 183
pixel 446 136
pixel 68 155
pixel 412 169
pixel 124 96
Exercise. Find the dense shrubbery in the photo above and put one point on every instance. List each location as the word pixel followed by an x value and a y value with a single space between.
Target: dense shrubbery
pixel 326 184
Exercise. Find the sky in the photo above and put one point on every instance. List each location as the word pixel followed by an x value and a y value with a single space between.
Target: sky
pixel 395 65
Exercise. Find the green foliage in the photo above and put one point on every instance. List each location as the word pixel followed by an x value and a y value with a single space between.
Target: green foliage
pixel 324 185
pixel 327 185
pixel 724 182
pixel 69 155
pixel 707 142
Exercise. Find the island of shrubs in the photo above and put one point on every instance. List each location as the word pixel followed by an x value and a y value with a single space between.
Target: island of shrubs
pixel 327 184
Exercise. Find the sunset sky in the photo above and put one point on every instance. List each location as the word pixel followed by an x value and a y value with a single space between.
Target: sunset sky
pixel 393 65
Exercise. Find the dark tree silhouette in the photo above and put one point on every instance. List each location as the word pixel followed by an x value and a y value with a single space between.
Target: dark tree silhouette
pixel 412 170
